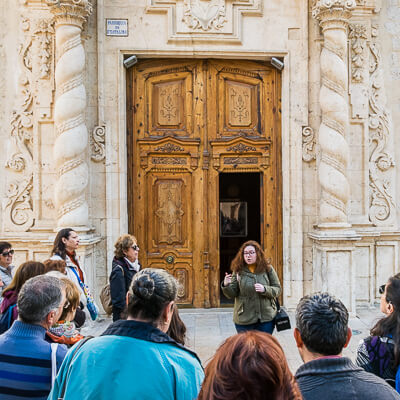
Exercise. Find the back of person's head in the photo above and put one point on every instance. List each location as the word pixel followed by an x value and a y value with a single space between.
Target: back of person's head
pixel 59 245
pixel 249 366
pixel 151 290
pixel 72 298
pixel 37 297
pixel 55 265
pixel 322 321
pixel 5 246
pixel 25 271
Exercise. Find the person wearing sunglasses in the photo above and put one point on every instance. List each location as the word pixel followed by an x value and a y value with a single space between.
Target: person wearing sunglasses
pixel 125 264
pixel 6 268
pixel 254 285
pixel 380 352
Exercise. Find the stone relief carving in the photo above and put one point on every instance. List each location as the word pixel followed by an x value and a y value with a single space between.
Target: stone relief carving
pixel 72 141
pixel 308 144
pixel 44 31
pixel 98 140
pixel 381 162
pixel 358 36
pixel 204 15
pixel 333 16
pixel 19 215
pixel 211 20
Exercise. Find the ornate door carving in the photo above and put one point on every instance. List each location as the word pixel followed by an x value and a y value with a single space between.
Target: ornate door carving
pixel 187 122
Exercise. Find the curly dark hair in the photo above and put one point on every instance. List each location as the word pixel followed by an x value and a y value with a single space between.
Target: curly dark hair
pixel 262 263
pixel 249 366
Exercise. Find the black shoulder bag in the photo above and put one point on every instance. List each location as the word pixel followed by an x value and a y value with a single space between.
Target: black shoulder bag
pixel 282 321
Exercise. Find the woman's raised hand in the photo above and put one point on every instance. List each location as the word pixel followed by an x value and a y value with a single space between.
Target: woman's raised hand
pixel 259 288
pixel 227 279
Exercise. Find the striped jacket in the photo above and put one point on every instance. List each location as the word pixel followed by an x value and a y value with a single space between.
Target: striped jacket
pixel 25 362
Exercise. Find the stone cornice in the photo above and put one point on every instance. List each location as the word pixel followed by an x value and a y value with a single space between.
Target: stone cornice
pixel 70 12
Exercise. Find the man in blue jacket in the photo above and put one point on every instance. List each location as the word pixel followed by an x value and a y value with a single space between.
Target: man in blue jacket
pixel 321 333
pixel 25 355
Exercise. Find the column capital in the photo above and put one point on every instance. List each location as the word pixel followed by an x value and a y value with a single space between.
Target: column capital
pixel 71 12
pixel 337 12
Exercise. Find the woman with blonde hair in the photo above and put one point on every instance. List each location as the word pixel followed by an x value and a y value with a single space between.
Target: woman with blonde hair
pixel 254 285
pixel 124 266
pixel 64 331
pixel 249 366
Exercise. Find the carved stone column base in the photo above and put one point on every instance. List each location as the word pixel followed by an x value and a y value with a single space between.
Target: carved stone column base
pixel 334 268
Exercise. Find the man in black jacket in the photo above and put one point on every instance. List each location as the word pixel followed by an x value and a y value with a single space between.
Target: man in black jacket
pixel 321 333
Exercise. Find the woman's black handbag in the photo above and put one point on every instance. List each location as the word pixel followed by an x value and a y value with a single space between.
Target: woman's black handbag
pixel 282 321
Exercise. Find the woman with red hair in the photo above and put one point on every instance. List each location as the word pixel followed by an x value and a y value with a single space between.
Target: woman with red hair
pixel 249 366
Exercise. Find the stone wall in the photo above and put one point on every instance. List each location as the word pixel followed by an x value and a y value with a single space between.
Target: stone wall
pixel 30 169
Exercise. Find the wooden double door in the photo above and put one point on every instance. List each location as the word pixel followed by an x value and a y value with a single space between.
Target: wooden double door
pixel 189 121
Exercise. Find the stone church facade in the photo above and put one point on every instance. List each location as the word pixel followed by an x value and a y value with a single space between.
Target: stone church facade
pixel 302 158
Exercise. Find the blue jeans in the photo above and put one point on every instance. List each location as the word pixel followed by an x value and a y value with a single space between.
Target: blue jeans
pixel 267 327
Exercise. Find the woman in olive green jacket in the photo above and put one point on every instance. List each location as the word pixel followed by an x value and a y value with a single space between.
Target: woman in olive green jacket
pixel 254 285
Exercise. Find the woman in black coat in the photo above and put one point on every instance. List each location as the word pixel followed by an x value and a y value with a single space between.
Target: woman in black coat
pixel 124 266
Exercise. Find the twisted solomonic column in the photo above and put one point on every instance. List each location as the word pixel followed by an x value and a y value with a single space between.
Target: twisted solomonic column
pixel 333 16
pixel 71 144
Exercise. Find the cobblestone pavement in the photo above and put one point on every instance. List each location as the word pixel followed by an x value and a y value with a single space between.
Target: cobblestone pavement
pixel 208 328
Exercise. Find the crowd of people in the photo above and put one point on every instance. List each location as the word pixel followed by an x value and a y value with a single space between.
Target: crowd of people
pixel 142 354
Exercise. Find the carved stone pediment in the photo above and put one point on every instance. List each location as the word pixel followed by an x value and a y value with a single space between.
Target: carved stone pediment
pixel 241 154
pixel 211 20
pixel 168 153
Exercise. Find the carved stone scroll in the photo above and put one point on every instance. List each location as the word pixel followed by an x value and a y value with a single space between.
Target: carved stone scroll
pixel 19 214
pixel 334 16
pixel 308 144
pixel 71 144
pixel 98 140
pixel 381 161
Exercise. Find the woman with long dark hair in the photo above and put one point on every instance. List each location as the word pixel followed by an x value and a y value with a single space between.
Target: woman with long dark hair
pixel 249 366
pixel 380 352
pixel 65 245
pixel 254 285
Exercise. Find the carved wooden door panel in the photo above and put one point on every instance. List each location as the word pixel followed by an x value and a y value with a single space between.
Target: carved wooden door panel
pixel 188 121
pixel 167 203
pixel 243 113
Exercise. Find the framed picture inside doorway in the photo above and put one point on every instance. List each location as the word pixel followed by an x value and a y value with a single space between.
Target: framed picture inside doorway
pixel 233 218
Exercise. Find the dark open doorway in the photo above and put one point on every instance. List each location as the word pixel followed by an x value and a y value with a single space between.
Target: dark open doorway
pixel 240 216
